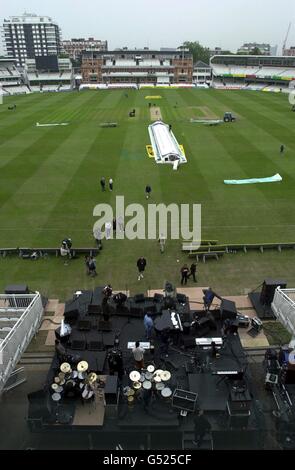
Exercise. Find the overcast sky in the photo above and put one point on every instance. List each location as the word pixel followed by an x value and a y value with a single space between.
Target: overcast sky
pixel 166 23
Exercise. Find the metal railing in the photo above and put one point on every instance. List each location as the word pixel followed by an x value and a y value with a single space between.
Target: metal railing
pixel 284 308
pixel 28 310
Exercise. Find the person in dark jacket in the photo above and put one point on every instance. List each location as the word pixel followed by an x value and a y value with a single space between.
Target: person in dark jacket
pixel 202 427
pixel 148 191
pixel 103 183
pixel 184 274
pixel 141 265
pixel 193 271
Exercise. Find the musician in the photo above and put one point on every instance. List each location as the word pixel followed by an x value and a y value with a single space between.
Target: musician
pixel 202 427
pixel 138 354
pixel 146 399
pixel 208 298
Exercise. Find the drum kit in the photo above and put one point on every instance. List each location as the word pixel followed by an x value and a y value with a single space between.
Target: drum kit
pixel 146 380
pixel 68 380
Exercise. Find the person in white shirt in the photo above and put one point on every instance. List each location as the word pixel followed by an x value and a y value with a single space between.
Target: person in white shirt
pixel 162 241
pixel 111 184
pixel 108 227
pixel 138 354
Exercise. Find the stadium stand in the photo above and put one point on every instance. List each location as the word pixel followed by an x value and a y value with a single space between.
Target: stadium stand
pixel 253 72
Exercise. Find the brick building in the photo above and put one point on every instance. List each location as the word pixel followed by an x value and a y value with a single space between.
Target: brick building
pixel 74 47
pixel 137 66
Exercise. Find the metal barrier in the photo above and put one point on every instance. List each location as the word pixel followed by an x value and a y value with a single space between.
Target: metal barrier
pixel 284 308
pixel 20 318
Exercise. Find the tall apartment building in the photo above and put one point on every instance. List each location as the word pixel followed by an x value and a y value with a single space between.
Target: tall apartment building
pixel 29 36
pixel 75 47
pixel 137 66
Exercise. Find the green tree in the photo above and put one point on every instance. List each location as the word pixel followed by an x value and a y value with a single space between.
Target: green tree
pixel 256 51
pixel 197 50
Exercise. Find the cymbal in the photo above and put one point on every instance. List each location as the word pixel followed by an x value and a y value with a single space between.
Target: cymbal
pixel 82 366
pixel 57 380
pixel 137 385
pixel 92 377
pixel 165 375
pixel 61 375
pixel 130 393
pixel 157 378
pixel 54 386
pixel 134 376
pixel 151 368
pixel 65 368
pixel 158 372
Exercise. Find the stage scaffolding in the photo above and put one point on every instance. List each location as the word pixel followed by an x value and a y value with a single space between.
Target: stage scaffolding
pixel 20 318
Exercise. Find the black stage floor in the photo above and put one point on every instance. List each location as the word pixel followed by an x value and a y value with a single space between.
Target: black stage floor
pixel 192 369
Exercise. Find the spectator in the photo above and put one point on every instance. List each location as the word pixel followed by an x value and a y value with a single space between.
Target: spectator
pixel 193 271
pixel 138 354
pixel 103 183
pixel 97 236
pixel 108 227
pixel 162 241
pixel 148 191
pixel 141 265
pixel 111 184
pixel 87 259
pixel 184 274
pixel 148 325
pixel 92 266
pixel 120 221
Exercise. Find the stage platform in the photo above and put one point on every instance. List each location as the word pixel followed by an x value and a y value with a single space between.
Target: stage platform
pixel 192 367
pixel 211 395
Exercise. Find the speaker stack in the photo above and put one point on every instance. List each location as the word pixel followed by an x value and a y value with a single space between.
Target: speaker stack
pixel 268 290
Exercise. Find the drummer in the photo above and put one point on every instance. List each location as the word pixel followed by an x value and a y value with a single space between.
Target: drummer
pixel 138 353
pixel 146 398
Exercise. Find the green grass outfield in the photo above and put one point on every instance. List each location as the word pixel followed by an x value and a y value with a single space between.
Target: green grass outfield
pixel 49 183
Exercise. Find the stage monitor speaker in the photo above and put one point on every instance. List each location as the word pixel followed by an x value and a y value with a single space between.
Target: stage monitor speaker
pixel 268 290
pixel 158 297
pixel 139 298
pixel 228 310
pixel 78 344
pixel 181 298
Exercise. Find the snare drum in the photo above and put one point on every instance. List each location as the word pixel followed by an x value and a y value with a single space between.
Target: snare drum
pixel 148 375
